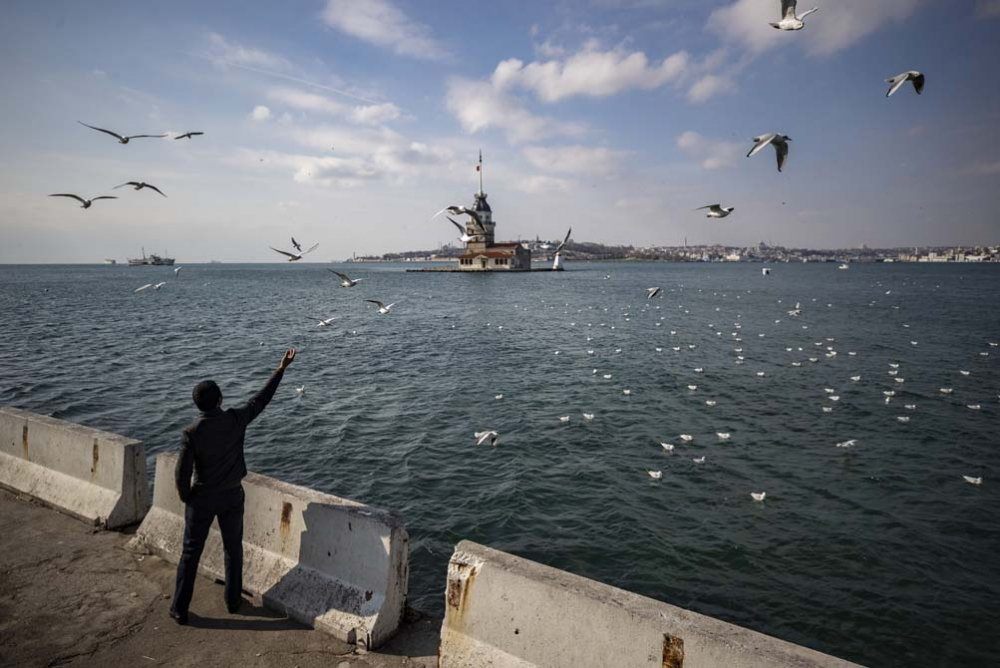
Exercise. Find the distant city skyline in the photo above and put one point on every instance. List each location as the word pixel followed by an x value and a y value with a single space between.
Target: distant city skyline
pixel 349 124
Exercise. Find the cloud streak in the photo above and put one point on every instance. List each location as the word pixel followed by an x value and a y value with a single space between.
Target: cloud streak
pixel 381 23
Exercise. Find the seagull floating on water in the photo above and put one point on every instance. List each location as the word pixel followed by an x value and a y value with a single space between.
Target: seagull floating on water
pixel 973 481
pixel 667 447
pixel 121 139
pixel 780 143
pixel 655 475
pixel 758 496
pixel 86 203
pixel 791 21
pixel 899 80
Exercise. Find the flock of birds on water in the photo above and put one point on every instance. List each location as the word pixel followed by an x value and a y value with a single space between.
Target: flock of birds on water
pixel 476 230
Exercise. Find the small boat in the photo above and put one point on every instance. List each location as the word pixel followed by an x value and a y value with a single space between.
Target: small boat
pixel 110 261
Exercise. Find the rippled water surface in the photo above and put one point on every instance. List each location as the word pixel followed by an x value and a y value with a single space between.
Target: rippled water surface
pixel 879 553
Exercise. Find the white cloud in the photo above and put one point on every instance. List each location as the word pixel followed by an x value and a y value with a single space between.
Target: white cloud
pixel 375 114
pixel 834 27
pixel 589 72
pixel 304 101
pixel 574 159
pixel 708 86
pixel 260 113
pixel 381 23
pixel 223 52
pixel 479 105
pixel 712 153
pixel 988 9
pixel 984 169
pixel 541 184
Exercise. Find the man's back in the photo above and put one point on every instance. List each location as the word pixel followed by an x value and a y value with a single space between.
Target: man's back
pixel 212 445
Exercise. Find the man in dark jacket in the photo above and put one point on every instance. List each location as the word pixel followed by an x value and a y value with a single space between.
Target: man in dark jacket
pixel 212 448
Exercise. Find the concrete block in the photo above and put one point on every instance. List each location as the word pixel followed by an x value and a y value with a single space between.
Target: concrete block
pixel 93 475
pixel 334 564
pixel 506 612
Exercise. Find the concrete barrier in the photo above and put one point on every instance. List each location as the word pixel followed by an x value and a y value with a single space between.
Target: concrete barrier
pixel 93 475
pixel 334 564
pixel 507 612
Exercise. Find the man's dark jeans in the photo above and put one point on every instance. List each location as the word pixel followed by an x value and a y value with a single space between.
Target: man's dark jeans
pixel 227 505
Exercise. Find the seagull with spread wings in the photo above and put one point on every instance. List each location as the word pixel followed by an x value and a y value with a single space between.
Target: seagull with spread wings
pixel 717 210
pixel 121 139
pixel 465 236
pixel 86 203
pixel 188 135
pixel 139 185
pixel 461 211
pixel 564 241
pixel 789 20
pixel 779 142
pixel 345 280
pixel 382 308
pixel 295 243
pixel 294 257
pixel 897 82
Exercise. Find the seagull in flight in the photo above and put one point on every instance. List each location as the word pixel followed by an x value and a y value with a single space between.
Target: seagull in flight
pixel 139 185
pixel 465 236
pixel 564 242
pixel 717 210
pixel 791 21
pixel 461 211
pixel 325 323
pixel 897 82
pixel 382 308
pixel 188 135
pixel 345 280
pixel 293 257
pixel 780 143
pixel 295 243
pixel 653 292
pixel 121 139
pixel 144 287
pixel 487 436
pixel 86 203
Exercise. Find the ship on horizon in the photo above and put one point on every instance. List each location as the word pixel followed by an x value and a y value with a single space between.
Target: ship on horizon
pixel 152 260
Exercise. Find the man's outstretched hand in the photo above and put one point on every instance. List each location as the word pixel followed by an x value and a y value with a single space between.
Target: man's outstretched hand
pixel 287 359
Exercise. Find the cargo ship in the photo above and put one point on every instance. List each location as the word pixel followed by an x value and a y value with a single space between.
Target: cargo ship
pixel 153 259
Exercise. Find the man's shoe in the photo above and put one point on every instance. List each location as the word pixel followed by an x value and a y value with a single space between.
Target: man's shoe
pixel 181 619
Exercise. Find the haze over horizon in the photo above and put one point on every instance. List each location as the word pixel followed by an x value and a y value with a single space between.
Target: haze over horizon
pixel 350 124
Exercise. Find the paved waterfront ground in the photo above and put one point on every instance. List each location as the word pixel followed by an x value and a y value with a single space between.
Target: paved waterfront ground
pixel 73 596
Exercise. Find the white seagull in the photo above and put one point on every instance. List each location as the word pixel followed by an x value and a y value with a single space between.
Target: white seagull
pixel 86 203
pixel 345 280
pixel 758 496
pixel 177 271
pixel 791 21
pixel 897 82
pixel 717 210
pixel 325 323
pixel 464 237
pixel 382 308
pixel 780 143
pixel 653 292
pixel 973 481
pixel 121 139
pixel 667 447
pixel 294 257
pixel 487 436
pixel 655 475
pixel 145 287
pixel 461 211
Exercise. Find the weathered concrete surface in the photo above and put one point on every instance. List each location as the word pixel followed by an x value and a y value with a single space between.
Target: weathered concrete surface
pixel 93 475
pixel 507 612
pixel 70 596
pixel 334 564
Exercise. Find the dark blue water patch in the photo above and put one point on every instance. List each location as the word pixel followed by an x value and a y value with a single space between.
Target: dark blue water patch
pixel 879 553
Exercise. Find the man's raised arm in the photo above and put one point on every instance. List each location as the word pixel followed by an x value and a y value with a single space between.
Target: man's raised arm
pixel 246 414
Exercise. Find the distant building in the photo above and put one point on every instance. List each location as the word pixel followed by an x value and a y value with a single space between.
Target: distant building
pixel 482 253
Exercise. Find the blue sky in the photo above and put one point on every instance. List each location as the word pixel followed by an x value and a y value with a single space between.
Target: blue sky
pixel 350 123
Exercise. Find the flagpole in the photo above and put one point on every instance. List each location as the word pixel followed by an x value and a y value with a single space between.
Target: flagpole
pixel 480 170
